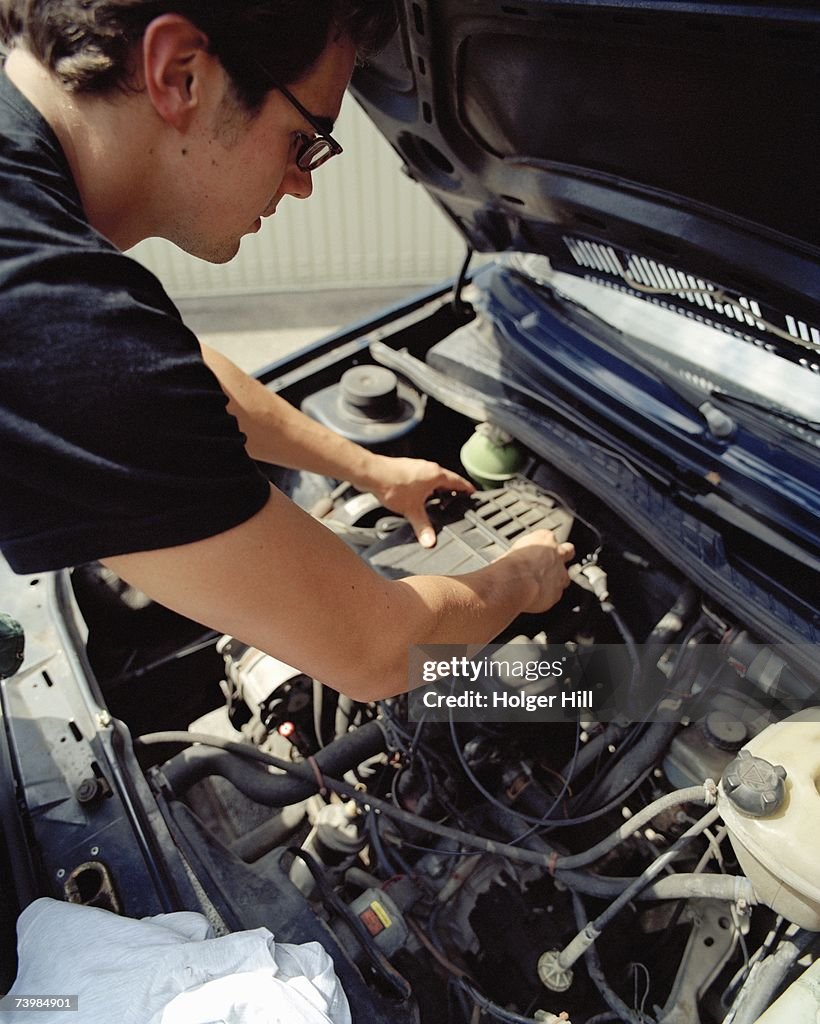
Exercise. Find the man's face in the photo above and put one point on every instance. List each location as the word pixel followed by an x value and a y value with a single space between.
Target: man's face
pixel 237 168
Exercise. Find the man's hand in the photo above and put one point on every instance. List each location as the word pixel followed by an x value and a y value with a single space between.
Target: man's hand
pixel 540 556
pixel 404 485
pixel 278 433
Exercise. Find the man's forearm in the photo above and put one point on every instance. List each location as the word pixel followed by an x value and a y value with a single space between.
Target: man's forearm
pixel 342 622
pixel 280 434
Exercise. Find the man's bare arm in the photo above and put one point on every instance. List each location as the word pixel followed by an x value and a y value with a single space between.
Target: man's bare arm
pixel 284 583
pixel 280 434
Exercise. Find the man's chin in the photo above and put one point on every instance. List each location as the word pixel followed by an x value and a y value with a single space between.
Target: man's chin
pixel 213 253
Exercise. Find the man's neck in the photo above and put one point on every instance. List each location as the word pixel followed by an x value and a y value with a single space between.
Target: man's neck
pixel 101 138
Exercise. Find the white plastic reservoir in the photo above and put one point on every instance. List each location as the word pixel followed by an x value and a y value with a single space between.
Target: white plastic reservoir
pixel 780 851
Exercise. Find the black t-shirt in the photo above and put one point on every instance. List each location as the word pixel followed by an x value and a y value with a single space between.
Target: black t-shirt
pixel 114 434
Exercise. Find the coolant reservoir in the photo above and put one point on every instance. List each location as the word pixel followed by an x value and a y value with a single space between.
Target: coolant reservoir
pixel 769 798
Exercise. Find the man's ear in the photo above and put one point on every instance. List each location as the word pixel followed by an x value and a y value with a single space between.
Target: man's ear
pixel 176 66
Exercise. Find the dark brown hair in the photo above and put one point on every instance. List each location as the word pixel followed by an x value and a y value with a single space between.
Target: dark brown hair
pixel 90 44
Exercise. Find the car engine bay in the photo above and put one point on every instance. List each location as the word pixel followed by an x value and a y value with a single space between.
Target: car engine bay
pixel 441 860
pixel 636 369
pixel 461 869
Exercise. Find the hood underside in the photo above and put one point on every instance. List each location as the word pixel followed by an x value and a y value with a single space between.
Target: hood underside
pixel 683 134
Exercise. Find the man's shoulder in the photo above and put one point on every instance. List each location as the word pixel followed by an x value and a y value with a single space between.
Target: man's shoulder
pixel 55 268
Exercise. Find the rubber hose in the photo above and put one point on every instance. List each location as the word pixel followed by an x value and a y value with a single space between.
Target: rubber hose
pixel 767 977
pixel 256 782
pixel 591 750
pixel 671 887
pixel 642 756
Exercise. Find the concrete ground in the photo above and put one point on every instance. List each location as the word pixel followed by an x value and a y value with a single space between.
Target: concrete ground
pixel 253 330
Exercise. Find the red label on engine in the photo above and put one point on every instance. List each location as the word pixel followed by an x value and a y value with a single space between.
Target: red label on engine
pixel 370 920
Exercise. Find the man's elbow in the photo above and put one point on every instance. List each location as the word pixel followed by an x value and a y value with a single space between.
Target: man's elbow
pixel 379 674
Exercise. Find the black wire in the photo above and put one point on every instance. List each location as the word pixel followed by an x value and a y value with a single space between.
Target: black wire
pixel 418 745
pixel 380 962
pixel 626 635
pixel 459 306
pixel 459 1001
pixel 441 853
pixel 417 736
pixel 566 783
pixel 382 860
pixel 530 819
pixel 596 971
pixel 394 723
pixel 631 738
pixel 366 800
pixel 404 867
pixel 545 823
pixel 599 812
pixel 582 798
pixel 696 629
pixel 494 1010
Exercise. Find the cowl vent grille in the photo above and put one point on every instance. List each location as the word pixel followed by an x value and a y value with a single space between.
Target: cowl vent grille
pixel 709 302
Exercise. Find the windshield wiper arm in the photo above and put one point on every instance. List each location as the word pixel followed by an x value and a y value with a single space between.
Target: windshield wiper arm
pixel 773 411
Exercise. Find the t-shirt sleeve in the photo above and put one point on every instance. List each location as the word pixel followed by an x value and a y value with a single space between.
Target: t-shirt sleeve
pixel 114 434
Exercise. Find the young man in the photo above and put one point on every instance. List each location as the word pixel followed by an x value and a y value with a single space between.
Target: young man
pixel 120 439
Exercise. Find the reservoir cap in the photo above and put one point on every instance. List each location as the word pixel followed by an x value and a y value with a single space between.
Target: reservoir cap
pixel 754 786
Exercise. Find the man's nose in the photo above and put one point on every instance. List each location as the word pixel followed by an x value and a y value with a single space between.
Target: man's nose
pixel 298 183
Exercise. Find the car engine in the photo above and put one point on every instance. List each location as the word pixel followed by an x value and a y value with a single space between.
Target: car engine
pixel 646 867
pixel 472 870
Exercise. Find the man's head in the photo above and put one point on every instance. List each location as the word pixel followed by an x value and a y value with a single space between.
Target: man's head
pixel 91 45
pixel 189 119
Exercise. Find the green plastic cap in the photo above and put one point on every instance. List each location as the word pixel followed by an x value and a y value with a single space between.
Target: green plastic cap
pixel 491 456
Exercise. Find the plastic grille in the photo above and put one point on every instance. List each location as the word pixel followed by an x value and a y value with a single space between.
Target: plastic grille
pixel 700 295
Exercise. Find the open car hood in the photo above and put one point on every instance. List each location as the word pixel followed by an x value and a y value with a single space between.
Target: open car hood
pixel 630 140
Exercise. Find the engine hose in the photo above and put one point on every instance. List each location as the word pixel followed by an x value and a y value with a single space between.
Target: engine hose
pixel 766 978
pixel 596 973
pixel 255 781
pixel 673 622
pixel 591 750
pixel 585 938
pixel 593 885
pixel 626 635
pixel 680 886
pixel 642 756
pixel 706 794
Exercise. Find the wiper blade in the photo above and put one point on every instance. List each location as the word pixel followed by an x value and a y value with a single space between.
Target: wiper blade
pixel 773 411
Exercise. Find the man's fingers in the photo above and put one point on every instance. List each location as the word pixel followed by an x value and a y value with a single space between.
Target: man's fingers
pixel 566 551
pixel 425 534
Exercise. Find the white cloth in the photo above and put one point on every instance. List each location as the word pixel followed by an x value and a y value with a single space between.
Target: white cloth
pixel 168 969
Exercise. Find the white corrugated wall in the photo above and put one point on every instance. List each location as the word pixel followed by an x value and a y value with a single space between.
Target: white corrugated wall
pixel 366 225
